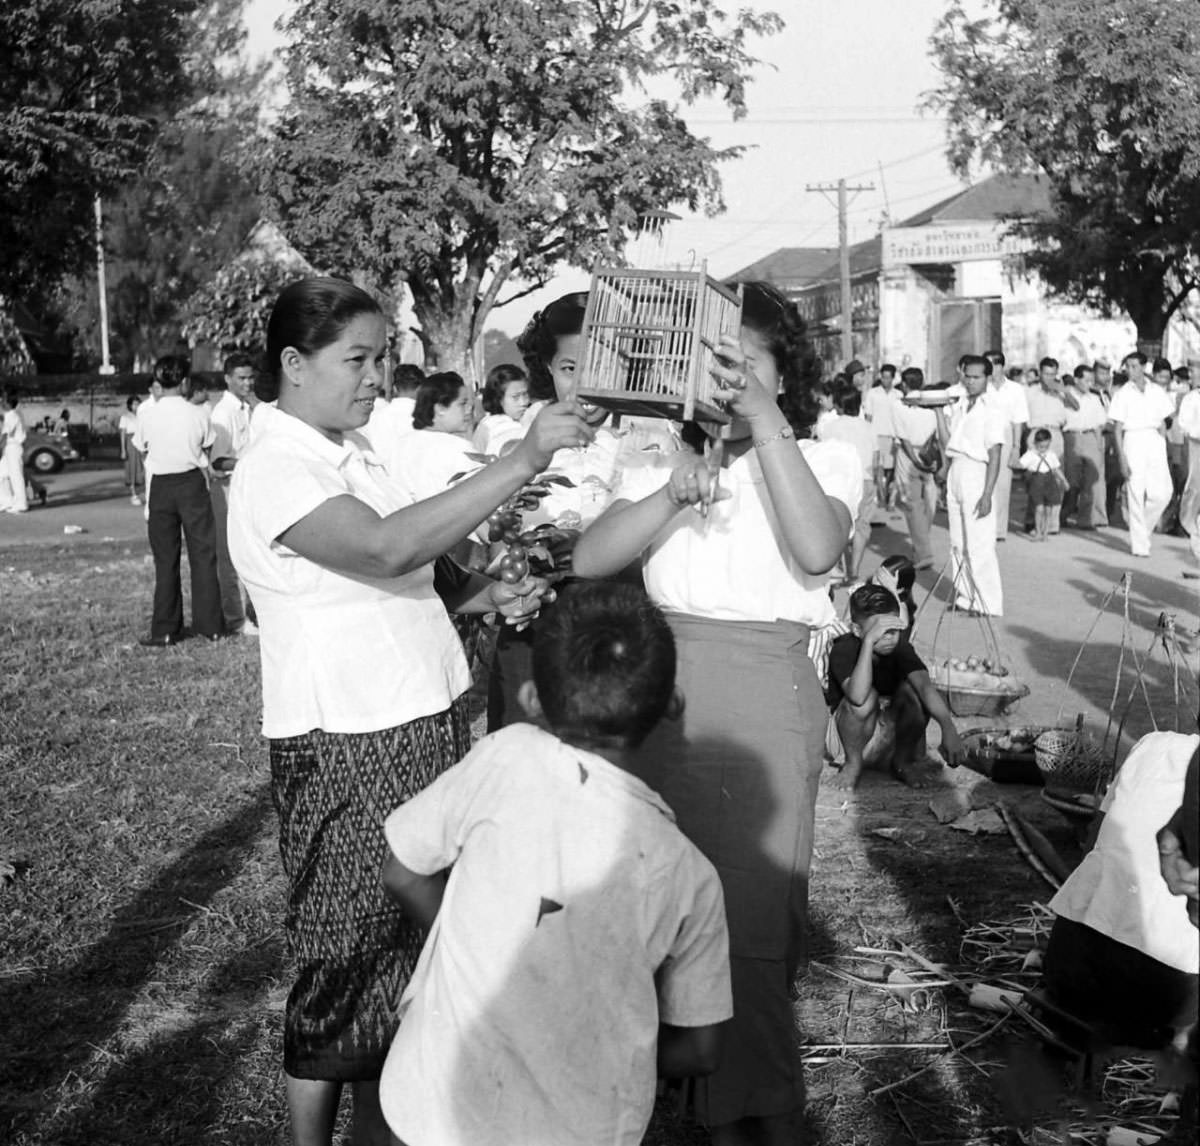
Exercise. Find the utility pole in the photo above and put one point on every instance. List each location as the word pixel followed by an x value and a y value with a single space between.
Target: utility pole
pixel 843 255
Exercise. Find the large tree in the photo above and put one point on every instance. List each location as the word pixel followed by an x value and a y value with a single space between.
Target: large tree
pixel 1105 100
pixel 81 82
pixel 462 145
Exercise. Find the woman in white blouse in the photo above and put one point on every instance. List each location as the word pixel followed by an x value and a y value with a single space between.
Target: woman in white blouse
pixel 364 679
pixel 737 553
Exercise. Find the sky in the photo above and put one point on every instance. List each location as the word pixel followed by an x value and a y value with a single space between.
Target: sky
pixel 836 96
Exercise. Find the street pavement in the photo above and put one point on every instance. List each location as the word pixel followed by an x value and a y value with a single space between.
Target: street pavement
pixel 1053 596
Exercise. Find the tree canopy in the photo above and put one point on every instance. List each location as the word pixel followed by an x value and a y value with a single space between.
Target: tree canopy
pixel 81 83
pixel 459 145
pixel 1105 100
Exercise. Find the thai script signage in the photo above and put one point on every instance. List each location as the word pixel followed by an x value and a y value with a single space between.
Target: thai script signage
pixel 968 242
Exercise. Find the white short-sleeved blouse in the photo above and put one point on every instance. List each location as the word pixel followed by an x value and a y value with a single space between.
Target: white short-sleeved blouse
pixel 733 564
pixel 339 652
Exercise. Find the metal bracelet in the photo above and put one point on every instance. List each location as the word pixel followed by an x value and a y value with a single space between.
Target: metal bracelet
pixel 782 436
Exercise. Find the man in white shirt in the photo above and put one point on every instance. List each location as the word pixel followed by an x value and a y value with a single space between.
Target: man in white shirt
pixel 1048 403
pixel 973 437
pixel 231 436
pixel 916 468
pixel 1083 461
pixel 1139 411
pixel 1189 425
pixel 12 456
pixel 391 421
pixel 879 408
pixel 1009 396
pixel 176 435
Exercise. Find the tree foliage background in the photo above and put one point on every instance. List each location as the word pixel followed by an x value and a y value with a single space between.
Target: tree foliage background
pixel 462 145
pixel 1105 100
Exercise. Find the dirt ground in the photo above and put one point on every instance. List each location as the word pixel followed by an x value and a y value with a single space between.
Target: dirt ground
pixel 141 963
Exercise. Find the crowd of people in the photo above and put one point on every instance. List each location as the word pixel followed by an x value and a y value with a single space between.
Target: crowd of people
pixel 1093 449
pixel 508 942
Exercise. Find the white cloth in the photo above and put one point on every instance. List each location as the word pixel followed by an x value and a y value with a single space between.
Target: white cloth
pixel 261 418
pixel 174 434
pixel 825 419
pixel 231 427
pixel 127 424
pixel 340 652
pixel 389 426
pixel 1046 410
pixel 139 444
pixel 575 919
pixel 1091 414
pixel 1033 462
pixel 974 568
pixel 495 431
pixel 1012 398
pixel 429 462
pixel 1149 489
pixel 12 462
pixel 860 434
pixel 915 424
pixel 1189 414
pixel 733 565
pixel 1118 889
pixel 879 408
pixel 1144 409
pixel 974 429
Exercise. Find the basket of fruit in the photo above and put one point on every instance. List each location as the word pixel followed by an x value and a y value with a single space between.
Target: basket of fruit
pixel 1005 755
pixel 977 686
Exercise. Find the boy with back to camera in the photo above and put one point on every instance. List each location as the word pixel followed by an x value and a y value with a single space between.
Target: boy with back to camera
pixel 873 668
pixel 577 945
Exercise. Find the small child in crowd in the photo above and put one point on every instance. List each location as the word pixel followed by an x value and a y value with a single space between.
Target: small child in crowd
pixel 577 944
pixel 505 399
pixel 872 670
pixel 1046 483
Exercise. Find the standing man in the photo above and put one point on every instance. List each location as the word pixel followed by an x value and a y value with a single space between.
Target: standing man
pixel 1175 388
pixel 1189 424
pixel 1008 396
pixel 918 457
pixel 1083 465
pixel 175 435
pixel 1048 404
pixel 12 455
pixel 879 407
pixel 1139 411
pixel 231 436
pixel 973 436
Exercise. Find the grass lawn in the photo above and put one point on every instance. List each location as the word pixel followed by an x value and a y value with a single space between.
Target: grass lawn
pixel 142 963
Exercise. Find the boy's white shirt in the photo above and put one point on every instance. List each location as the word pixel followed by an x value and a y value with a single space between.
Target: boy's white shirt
pixel 576 918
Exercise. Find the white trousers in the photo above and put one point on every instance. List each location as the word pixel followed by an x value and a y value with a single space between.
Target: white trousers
pixel 1148 490
pixel 1002 494
pixel 12 468
pixel 973 563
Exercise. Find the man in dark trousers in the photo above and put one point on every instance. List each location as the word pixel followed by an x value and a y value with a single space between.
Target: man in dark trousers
pixel 176 435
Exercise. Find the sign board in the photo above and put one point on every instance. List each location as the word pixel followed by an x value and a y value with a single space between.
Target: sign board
pixel 961 243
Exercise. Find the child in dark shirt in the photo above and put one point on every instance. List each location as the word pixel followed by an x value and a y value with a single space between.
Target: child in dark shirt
pixel 873 668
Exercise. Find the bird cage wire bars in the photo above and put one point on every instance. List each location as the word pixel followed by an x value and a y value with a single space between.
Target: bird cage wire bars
pixel 648 338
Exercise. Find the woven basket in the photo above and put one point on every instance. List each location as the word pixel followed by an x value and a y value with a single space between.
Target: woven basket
pixel 1068 758
pixel 966 700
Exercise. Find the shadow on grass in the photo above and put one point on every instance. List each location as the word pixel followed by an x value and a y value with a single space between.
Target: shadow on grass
pixel 54 1024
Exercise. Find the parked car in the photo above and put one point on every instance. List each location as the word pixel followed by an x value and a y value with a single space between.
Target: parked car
pixel 48 453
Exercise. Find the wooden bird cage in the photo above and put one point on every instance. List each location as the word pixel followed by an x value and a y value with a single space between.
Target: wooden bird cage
pixel 647 341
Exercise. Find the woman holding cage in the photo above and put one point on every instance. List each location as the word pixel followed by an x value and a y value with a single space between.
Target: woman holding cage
pixel 737 551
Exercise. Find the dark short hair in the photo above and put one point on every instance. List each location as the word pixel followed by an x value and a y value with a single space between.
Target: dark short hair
pixel 913 375
pixel 1082 369
pixel 238 360
pixel 538 342
pixel 604 664
pixel 1042 435
pixel 1135 354
pixel 887 368
pixel 774 317
pixel 497 382
pixel 130 401
pixel 847 399
pixel 437 390
pixel 1162 364
pixel 1048 361
pixel 311 314
pixel 976 360
pixel 12 398
pixel 872 601
pixel 997 357
pixel 171 371
pixel 407 378
pixel 1183 373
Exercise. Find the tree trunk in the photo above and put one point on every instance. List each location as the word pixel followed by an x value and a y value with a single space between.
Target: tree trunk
pixel 447 337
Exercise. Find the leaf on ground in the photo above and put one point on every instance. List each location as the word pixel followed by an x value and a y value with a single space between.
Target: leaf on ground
pixel 907 990
pixel 985 822
pixel 886 833
pixel 950 805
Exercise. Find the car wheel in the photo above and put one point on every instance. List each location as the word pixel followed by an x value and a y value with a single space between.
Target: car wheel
pixel 45 461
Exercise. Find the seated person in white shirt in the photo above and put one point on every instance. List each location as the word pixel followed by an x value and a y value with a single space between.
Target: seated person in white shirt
pixel 577 945
pixel 1123 954
pixel 873 668
pixel 505 399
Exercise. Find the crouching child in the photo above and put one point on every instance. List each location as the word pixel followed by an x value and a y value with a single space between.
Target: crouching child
pixel 873 671
pixel 577 946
